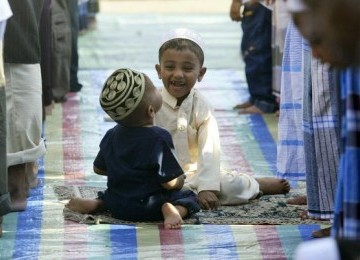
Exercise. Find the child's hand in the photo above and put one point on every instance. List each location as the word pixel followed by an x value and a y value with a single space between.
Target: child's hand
pixel 208 200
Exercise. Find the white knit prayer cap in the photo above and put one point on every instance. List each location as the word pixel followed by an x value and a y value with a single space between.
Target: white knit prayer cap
pixel 296 6
pixel 183 33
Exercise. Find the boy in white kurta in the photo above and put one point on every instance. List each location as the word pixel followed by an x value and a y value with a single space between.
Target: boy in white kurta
pixel 189 118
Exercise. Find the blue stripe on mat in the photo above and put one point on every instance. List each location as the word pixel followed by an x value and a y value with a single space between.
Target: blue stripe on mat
pixel 289 239
pixel 29 222
pixel 306 231
pixel 265 140
pixel 221 241
pixel 123 241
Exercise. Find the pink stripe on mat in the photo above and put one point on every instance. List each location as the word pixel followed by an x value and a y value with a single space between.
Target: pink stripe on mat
pixel 75 235
pixel 172 246
pixel 233 156
pixel 269 241
pixel 73 161
pixel 75 241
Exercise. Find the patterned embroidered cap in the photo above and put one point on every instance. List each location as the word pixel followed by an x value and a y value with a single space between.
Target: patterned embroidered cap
pixel 183 33
pixel 122 93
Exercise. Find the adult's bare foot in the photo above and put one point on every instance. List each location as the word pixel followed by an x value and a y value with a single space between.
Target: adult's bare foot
pixel 172 218
pixel 271 186
pixel 243 105
pixel 301 200
pixel 49 109
pixel 84 206
pixel 324 232
pixel 304 214
pixel 251 110
pixel 1 221
pixel 31 169
pixel 18 184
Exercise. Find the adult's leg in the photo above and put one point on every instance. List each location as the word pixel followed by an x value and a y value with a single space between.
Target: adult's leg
pixel 4 192
pixel 321 140
pixel 24 126
pixel 257 54
pixel 18 187
pixel 45 34
pixel 280 20
pixel 290 146
pixel 61 53
pixel 75 86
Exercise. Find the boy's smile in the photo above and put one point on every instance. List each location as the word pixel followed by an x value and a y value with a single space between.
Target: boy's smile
pixel 179 71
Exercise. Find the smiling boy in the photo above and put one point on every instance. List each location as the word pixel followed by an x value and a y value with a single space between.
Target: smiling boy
pixel 189 118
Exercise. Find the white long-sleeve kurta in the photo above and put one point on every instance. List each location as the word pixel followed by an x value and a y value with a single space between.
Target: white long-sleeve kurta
pixel 194 130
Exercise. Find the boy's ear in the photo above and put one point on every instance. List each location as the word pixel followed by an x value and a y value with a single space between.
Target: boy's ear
pixel 202 73
pixel 151 111
pixel 158 69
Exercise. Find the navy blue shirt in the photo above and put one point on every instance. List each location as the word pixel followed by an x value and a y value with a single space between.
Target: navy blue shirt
pixel 137 161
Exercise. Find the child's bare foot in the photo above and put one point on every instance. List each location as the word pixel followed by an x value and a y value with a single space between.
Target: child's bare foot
pixel 324 232
pixel 301 200
pixel 271 186
pixel 172 218
pixel 84 206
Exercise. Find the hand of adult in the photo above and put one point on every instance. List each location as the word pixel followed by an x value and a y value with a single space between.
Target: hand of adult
pixel 235 10
pixel 269 2
pixel 208 200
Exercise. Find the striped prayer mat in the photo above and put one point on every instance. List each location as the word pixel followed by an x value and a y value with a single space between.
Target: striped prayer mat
pixel 73 133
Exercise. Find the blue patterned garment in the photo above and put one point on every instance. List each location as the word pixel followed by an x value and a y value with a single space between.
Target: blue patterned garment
pixel 321 135
pixel 347 205
pixel 290 146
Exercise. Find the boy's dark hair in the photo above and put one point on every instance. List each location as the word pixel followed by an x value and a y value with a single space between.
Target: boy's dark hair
pixel 182 44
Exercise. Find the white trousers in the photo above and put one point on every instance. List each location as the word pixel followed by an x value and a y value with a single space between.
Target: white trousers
pixel 237 188
pixel 23 113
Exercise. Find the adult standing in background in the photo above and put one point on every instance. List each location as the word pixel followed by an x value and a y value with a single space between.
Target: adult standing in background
pixel 22 54
pixel 324 29
pixel 280 20
pixel 75 86
pixel 46 50
pixel 257 54
pixel 308 129
pixel 61 52
pixel 290 161
pixel 5 13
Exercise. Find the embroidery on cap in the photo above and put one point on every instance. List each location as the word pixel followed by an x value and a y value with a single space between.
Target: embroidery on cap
pixel 122 93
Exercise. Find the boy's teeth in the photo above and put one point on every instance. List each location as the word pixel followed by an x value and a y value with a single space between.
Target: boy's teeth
pixel 177 83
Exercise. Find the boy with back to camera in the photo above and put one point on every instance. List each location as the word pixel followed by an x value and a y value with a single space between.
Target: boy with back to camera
pixel 144 176
pixel 189 118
